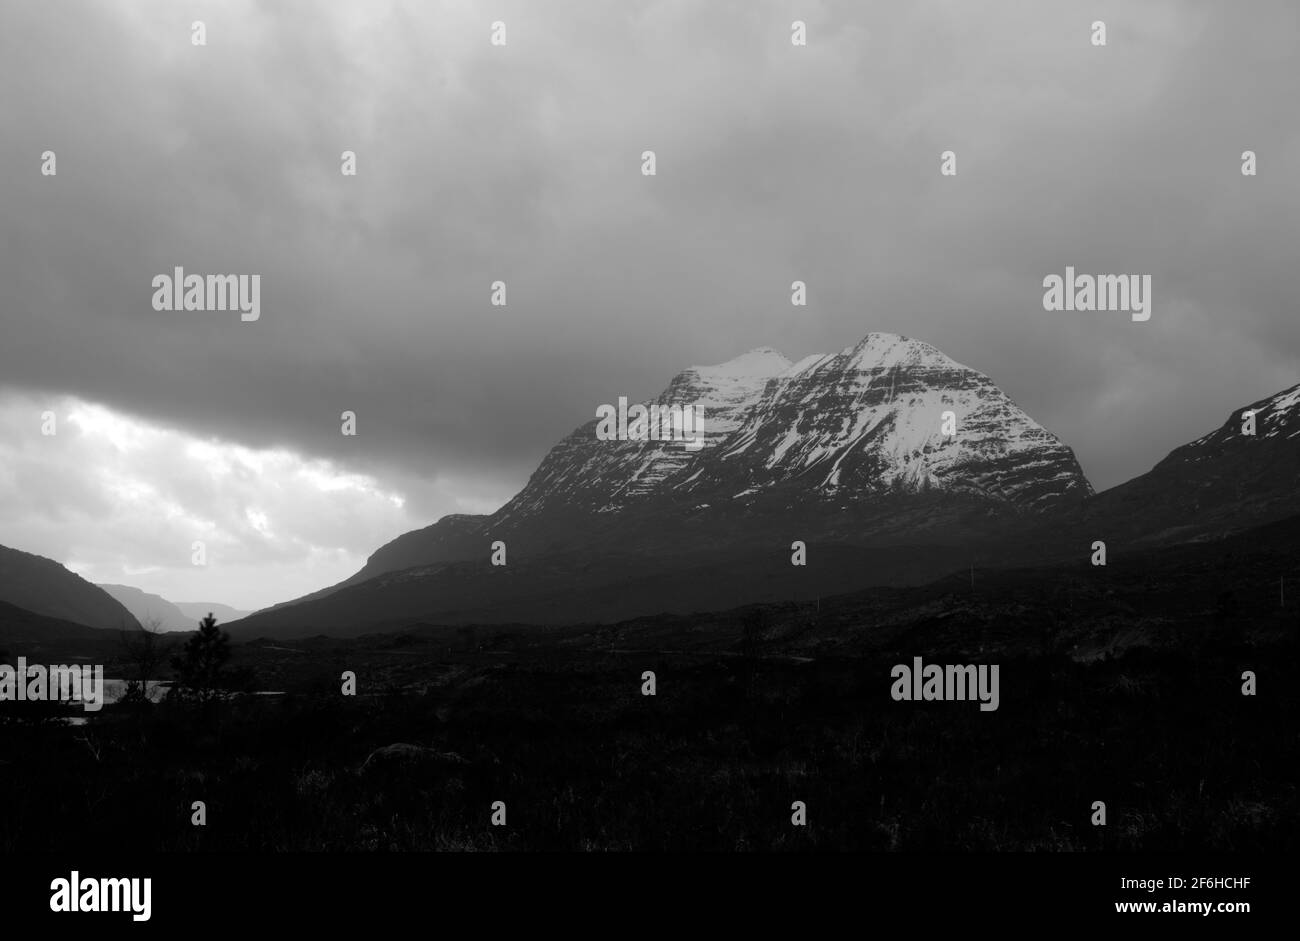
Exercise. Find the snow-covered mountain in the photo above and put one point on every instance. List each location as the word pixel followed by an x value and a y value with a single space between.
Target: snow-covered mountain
pixel 847 449
pixel 858 424
pixel 847 446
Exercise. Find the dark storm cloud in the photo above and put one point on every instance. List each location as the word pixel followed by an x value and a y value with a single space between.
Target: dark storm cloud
pixel 522 163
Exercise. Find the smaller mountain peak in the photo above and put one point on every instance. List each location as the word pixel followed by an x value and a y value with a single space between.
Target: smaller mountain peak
pixel 761 362
pixel 886 350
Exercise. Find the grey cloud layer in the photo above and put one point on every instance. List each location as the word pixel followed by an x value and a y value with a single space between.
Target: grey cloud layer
pixel 775 163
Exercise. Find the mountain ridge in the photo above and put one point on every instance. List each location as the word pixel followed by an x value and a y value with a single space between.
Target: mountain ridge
pixel 169 615
pixel 47 588
pixel 845 448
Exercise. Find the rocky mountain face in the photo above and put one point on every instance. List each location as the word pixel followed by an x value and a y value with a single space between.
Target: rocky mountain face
pixel 850 449
pixel 586 473
pixel 868 422
pixel 44 587
pixel 860 424
pixel 848 446
pixel 809 446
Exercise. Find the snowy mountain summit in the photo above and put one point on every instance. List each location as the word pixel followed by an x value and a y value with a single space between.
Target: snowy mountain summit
pixel 889 415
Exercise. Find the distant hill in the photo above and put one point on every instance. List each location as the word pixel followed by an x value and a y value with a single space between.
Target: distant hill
pixel 1223 482
pixel 198 610
pixel 170 615
pixel 149 609
pixel 43 586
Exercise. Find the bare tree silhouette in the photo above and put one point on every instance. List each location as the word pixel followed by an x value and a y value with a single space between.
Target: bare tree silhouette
pixel 144 652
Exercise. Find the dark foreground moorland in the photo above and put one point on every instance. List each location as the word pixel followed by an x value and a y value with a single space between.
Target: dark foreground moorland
pixel 1121 685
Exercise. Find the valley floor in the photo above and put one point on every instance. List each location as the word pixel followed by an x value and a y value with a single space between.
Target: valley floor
pixel 583 761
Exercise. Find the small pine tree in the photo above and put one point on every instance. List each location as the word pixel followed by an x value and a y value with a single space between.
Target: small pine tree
pixel 200 666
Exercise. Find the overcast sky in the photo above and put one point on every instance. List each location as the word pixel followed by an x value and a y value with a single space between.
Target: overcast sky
pixel 523 163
